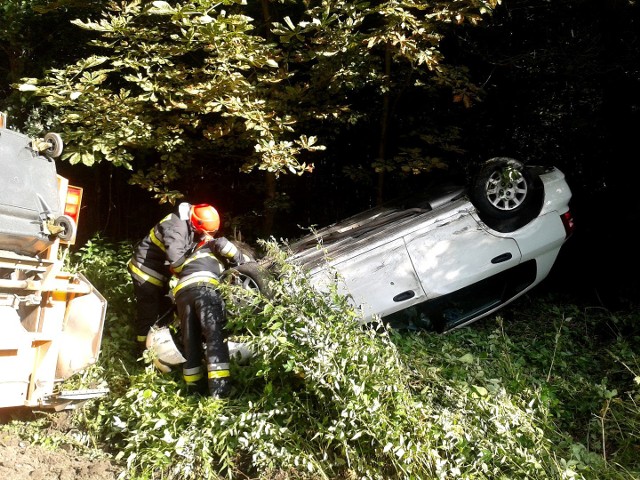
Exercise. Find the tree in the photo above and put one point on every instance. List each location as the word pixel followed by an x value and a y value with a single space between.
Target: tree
pixel 36 35
pixel 168 81
pixel 175 88
pixel 374 64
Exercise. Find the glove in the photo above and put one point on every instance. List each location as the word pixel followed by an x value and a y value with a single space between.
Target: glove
pixel 212 244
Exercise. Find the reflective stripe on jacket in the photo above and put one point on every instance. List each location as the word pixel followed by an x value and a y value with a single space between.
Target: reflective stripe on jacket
pixel 226 249
pixel 144 274
pixel 168 244
pixel 205 266
pixel 199 279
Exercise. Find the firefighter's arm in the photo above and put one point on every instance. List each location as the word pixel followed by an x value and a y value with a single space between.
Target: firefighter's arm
pixel 225 249
pixel 176 240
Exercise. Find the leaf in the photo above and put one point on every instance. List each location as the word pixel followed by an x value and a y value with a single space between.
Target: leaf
pixel 289 23
pixel 93 61
pixel 167 437
pixel 467 358
pixel 481 390
pixel 161 7
pixel 159 424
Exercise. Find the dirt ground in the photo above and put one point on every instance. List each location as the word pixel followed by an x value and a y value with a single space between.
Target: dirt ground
pixel 21 460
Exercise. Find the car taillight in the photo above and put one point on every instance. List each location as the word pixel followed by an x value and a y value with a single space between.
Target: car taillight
pixel 567 221
pixel 73 202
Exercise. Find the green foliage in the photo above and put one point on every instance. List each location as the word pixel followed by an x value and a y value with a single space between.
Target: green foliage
pixel 310 402
pixel 104 263
pixel 36 34
pixel 173 86
pixel 551 393
pixel 171 80
pixel 329 385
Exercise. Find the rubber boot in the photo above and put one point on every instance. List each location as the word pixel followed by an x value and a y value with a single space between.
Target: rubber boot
pixel 219 387
pixel 198 387
pixel 195 380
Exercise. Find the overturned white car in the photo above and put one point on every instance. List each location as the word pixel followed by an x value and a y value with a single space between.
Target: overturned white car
pixel 451 256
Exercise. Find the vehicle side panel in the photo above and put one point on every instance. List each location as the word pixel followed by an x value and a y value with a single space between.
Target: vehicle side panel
pixel 366 237
pixel 556 192
pixel 373 278
pixel 458 252
pixel 542 241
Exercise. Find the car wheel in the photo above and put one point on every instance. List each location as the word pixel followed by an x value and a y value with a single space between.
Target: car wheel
pixel 249 276
pixel 503 189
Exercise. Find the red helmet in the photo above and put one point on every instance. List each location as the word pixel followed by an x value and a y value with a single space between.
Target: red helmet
pixel 204 218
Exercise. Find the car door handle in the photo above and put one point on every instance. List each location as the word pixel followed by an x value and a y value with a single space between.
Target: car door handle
pixel 401 297
pixel 502 258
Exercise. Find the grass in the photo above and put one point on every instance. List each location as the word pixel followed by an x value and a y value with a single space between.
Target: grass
pixel 548 390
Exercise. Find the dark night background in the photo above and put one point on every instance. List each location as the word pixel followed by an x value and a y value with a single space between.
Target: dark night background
pixel 562 83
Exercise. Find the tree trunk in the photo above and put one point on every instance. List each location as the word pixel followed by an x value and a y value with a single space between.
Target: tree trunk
pixel 16 63
pixel 384 124
pixel 269 206
pixel 270 189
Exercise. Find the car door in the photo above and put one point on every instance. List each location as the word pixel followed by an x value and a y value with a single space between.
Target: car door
pixel 458 251
pixel 378 279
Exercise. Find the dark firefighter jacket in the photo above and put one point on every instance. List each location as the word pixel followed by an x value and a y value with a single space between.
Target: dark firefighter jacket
pixel 165 248
pixel 205 265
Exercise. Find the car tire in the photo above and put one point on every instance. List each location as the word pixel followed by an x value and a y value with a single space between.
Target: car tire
pixel 496 212
pixel 503 188
pixel 249 276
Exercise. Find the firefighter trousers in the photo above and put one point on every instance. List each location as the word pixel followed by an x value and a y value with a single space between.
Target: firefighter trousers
pixel 202 319
pixel 152 304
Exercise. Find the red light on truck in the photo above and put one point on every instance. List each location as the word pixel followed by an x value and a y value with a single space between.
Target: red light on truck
pixel 73 202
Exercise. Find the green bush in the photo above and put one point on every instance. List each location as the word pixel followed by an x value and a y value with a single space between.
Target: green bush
pixel 104 263
pixel 550 393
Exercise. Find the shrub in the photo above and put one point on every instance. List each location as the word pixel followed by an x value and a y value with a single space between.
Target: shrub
pixel 543 395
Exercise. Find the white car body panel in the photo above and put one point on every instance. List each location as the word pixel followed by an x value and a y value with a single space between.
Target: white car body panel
pixel 557 192
pixel 372 289
pixel 386 260
pixel 452 255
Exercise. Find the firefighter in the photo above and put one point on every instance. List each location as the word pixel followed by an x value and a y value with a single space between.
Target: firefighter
pixel 202 315
pixel 163 252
